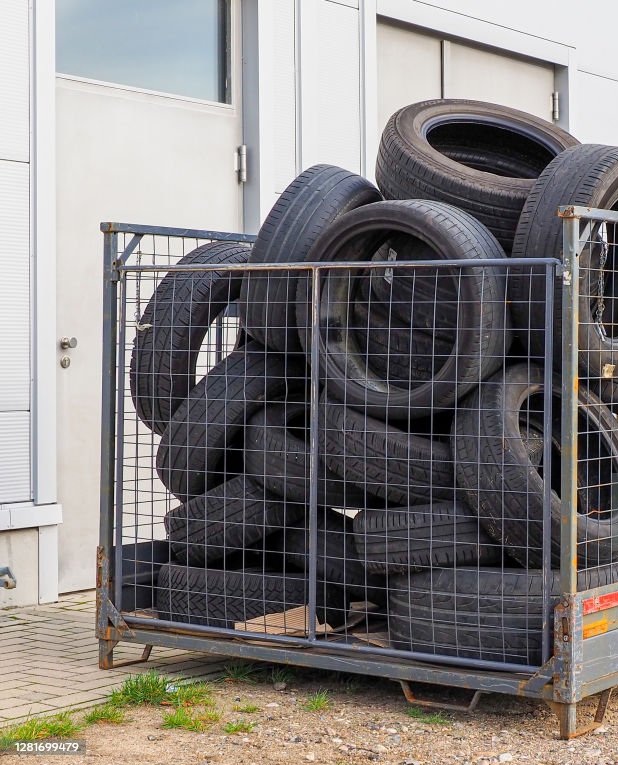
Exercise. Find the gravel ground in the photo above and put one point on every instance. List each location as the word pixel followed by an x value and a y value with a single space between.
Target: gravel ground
pixel 367 720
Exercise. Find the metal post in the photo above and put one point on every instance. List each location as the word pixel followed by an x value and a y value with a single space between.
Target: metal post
pixel 570 384
pixel 120 337
pixel 568 538
pixel 313 449
pixel 106 526
pixel 547 450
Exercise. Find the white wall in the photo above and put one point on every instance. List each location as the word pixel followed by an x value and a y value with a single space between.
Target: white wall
pixel 15 304
pixel 20 549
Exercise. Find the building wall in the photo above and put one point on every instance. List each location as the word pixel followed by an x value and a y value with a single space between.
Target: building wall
pixel 587 38
pixel 15 327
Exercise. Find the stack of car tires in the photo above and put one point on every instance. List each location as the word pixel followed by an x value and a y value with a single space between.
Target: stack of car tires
pixel 427 385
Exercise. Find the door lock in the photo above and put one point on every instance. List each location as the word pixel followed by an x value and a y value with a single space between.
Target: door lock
pixel 68 342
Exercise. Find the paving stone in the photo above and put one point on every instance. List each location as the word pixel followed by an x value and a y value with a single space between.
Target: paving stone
pixel 71 699
pixel 26 710
pixel 49 660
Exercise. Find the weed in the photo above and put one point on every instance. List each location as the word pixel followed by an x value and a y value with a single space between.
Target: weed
pixel 317 702
pixel 181 718
pixel 247 708
pixel 239 726
pixel 106 713
pixel 190 694
pixel 281 675
pixel 149 688
pixel 434 718
pixel 210 716
pixel 240 672
pixel 37 728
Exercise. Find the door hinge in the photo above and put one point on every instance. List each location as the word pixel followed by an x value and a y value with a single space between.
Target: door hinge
pixel 241 163
pixel 555 106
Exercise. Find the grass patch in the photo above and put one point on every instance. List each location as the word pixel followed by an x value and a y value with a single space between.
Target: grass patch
pixel 149 688
pixel 433 718
pixel 190 694
pixel 238 726
pixel 247 708
pixel 317 702
pixel 281 675
pixel 37 728
pixel 154 689
pixel 182 718
pixel 210 716
pixel 241 672
pixel 106 713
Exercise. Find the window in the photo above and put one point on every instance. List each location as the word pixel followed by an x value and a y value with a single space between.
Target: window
pixel 178 47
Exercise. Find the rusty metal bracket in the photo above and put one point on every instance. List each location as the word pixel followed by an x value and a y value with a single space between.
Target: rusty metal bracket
pixel 406 686
pixel 567 716
pixel 106 658
pixel 568 650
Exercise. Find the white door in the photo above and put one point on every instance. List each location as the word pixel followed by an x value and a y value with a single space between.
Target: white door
pixel 414 65
pixel 131 153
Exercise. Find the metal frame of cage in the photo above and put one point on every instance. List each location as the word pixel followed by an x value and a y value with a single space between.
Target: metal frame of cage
pixel 585 643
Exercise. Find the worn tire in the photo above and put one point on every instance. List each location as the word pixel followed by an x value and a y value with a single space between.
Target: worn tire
pixel 482 158
pixel 192 455
pixel 277 456
pixel 315 199
pixel 444 534
pixel 400 468
pixel 492 614
pixel 584 175
pixel 483 334
pixel 502 483
pixel 413 296
pixel 226 519
pixel 337 559
pixel 217 598
pixel 172 328
pixel 392 350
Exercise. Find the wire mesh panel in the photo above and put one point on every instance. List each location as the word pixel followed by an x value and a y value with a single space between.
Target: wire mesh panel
pixel 596 526
pixel 372 467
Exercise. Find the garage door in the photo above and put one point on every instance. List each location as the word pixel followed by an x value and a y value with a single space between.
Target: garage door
pixel 487 76
pixel 414 65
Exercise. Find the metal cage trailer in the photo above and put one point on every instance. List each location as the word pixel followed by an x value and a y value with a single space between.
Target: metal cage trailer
pixel 395 456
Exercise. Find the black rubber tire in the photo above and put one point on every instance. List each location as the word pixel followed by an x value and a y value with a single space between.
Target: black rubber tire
pixel 392 350
pixel 483 336
pixel 477 156
pixel 277 456
pixel 396 540
pixel 478 613
pixel 192 456
pixel 337 559
pixel 228 518
pixel 217 598
pixel 172 328
pixel 315 199
pixel 504 486
pixel 584 175
pixel 400 468
pixel 414 296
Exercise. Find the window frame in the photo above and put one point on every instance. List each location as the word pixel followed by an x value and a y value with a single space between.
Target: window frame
pixel 226 78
